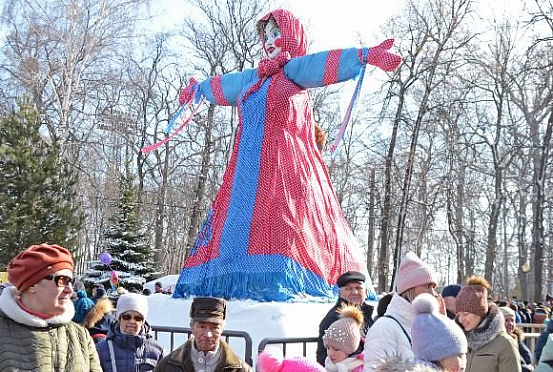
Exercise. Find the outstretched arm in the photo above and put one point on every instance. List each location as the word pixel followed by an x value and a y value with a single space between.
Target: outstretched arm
pixel 335 66
pixel 220 90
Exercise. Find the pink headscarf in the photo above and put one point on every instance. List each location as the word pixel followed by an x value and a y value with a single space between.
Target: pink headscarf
pixel 293 43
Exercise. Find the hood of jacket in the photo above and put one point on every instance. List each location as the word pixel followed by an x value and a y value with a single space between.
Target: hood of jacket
pixel 98 311
pixel 401 310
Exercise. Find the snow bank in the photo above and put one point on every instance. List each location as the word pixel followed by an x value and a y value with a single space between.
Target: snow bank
pixel 259 319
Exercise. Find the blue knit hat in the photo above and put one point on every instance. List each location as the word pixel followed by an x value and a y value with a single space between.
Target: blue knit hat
pixel 435 336
pixel 451 290
pixel 83 304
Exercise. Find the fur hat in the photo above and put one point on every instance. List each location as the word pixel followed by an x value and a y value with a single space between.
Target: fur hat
pixel 36 262
pixel 473 298
pixel 132 302
pixel 208 309
pixel 83 304
pixel 345 333
pixel 435 336
pixel 412 273
pixel 272 360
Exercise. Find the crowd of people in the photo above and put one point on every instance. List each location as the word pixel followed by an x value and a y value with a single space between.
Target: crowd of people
pixel 413 329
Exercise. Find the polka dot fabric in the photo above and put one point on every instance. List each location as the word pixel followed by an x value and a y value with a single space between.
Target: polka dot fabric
pixel 379 56
pixel 275 230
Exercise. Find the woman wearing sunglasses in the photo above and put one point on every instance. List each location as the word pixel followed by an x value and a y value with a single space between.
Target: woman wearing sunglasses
pixel 129 345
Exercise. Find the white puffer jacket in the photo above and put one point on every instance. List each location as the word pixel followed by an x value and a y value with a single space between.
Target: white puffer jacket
pixel 386 338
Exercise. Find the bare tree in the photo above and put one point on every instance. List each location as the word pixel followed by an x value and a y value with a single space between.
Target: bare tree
pixel 433 49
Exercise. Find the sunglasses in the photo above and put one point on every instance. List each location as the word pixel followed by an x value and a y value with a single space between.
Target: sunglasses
pixel 138 318
pixel 61 280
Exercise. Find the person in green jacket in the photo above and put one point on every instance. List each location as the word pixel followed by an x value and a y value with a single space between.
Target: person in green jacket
pixel 491 349
pixel 35 315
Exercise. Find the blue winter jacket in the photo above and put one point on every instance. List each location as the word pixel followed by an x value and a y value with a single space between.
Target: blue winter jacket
pixel 132 353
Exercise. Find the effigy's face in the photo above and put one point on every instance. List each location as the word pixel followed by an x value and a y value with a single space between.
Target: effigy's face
pixel 272 39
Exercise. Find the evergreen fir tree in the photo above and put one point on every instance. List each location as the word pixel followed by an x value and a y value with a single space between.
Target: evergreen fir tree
pixel 125 240
pixel 38 201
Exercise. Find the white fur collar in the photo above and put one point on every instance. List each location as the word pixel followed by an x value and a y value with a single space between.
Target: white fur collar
pixel 8 304
pixel 346 365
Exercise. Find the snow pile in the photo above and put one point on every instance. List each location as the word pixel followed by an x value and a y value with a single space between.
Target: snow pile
pixel 259 319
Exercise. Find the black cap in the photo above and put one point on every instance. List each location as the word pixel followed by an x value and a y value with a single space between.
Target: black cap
pixel 208 309
pixel 350 276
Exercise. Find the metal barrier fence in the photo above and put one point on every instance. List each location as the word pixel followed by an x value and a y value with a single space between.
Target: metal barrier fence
pixel 285 342
pixel 530 338
pixel 531 333
pixel 228 335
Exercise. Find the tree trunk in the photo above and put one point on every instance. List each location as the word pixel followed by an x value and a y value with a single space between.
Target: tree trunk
pixel 160 210
pixel 370 237
pixel 383 257
pixel 459 225
pixel 491 247
pixel 199 193
pixel 522 249
pixel 538 233
pixel 505 255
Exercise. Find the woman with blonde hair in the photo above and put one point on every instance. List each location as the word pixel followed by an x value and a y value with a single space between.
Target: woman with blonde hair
pixel 391 334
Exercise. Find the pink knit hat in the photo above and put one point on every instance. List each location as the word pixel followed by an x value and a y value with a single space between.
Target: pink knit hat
pixel 272 360
pixel 412 273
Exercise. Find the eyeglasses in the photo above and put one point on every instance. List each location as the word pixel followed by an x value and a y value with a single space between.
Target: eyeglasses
pixel 137 318
pixel 61 280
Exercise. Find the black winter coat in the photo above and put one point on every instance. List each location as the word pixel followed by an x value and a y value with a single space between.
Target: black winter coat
pixel 332 316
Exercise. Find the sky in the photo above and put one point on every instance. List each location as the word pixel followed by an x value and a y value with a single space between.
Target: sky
pixel 338 24
pixel 329 25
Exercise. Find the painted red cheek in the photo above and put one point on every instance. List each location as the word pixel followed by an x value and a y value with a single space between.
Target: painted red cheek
pixel 278 42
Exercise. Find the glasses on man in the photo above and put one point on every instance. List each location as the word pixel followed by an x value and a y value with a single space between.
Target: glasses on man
pixel 61 280
pixel 138 318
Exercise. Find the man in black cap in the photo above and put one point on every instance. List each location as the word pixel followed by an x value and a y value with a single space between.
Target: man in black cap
pixel 205 351
pixel 352 290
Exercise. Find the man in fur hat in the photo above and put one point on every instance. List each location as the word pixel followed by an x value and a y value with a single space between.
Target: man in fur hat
pixel 205 351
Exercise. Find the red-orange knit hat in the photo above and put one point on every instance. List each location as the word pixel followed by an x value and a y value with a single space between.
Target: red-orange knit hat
pixel 36 262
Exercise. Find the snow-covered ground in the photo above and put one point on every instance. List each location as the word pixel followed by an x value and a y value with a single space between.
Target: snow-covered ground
pixel 259 319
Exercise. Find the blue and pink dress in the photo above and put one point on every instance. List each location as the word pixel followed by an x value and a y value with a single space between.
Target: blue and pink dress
pixel 275 230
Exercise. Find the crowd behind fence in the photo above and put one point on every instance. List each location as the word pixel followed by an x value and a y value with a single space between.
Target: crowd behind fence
pixel 243 341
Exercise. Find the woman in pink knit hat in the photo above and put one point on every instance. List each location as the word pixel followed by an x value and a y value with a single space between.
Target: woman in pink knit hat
pixel 391 334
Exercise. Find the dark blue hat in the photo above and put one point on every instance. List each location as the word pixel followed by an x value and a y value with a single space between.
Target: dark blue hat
pixel 451 290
